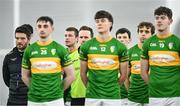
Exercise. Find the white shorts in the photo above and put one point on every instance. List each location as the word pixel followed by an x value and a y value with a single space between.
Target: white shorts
pixel 102 102
pixel 67 103
pixel 170 101
pixel 124 102
pixel 58 102
pixel 131 103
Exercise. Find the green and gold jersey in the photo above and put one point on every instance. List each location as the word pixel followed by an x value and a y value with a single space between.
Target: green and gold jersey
pixel 123 90
pixel 78 90
pixel 124 93
pixel 138 90
pixel 45 63
pixel 103 58
pixel 164 59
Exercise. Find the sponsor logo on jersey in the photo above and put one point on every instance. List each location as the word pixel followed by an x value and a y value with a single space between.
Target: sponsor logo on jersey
pixel 137 67
pixel 44 65
pixel 153 44
pixel 74 60
pixel 170 45
pixel 53 51
pixel 103 61
pixel 112 48
pixel 134 55
pixel 162 58
pixel 34 52
pixel 14 59
pixel 93 48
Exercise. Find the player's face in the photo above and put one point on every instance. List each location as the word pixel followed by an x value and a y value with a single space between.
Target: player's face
pixel 162 22
pixel 21 41
pixel 84 35
pixel 103 25
pixel 124 38
pixel 44 29
pixel 144 33
pixel 70 38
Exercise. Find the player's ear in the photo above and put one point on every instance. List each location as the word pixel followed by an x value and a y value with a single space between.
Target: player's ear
pixel 171 20
pixel 52 28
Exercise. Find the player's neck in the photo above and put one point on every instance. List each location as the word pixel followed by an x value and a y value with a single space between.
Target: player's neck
pixel 21 50
pixel 127 46
pixel 104 36
pixel 164 32
pixel 140 45
pixel 78 45
pixel 45 41
pixel 72 48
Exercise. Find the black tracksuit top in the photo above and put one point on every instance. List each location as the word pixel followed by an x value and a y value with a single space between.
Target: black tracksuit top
pixel 12 77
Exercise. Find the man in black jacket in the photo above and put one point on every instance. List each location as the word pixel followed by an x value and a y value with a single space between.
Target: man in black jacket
pixel 12 67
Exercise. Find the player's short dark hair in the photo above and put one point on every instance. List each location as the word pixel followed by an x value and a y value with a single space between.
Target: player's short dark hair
pixel 147 25
pixel 73 29
pixel 46 19
pixel 163 11
pixel 104 14
pixel 88 29
pixel 123 30
pixel 26 29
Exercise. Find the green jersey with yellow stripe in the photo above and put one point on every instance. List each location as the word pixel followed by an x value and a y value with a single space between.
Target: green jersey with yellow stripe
pixel 45 63
pixel 164 60
pixel 103 59
pixel 138 90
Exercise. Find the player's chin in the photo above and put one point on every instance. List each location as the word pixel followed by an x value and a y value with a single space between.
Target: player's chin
pixel 68 45
pixel 142 40
pixel 100 30
pixel 20 47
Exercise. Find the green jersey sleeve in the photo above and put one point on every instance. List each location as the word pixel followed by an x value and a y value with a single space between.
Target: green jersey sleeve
pixel 64 56
pixel 144 51
pixel 129 56
pixel 123 52
pixel 178 40
pixel 26 60
pixel 83 52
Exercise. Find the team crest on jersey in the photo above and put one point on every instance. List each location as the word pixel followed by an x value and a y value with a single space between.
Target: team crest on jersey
pixel 170 45
pixel 53 51
pixel 103 49
pixel 112 48
pixel 161 45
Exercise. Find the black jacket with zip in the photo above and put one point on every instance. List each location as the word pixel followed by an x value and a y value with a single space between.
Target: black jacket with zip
pixel 12 78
